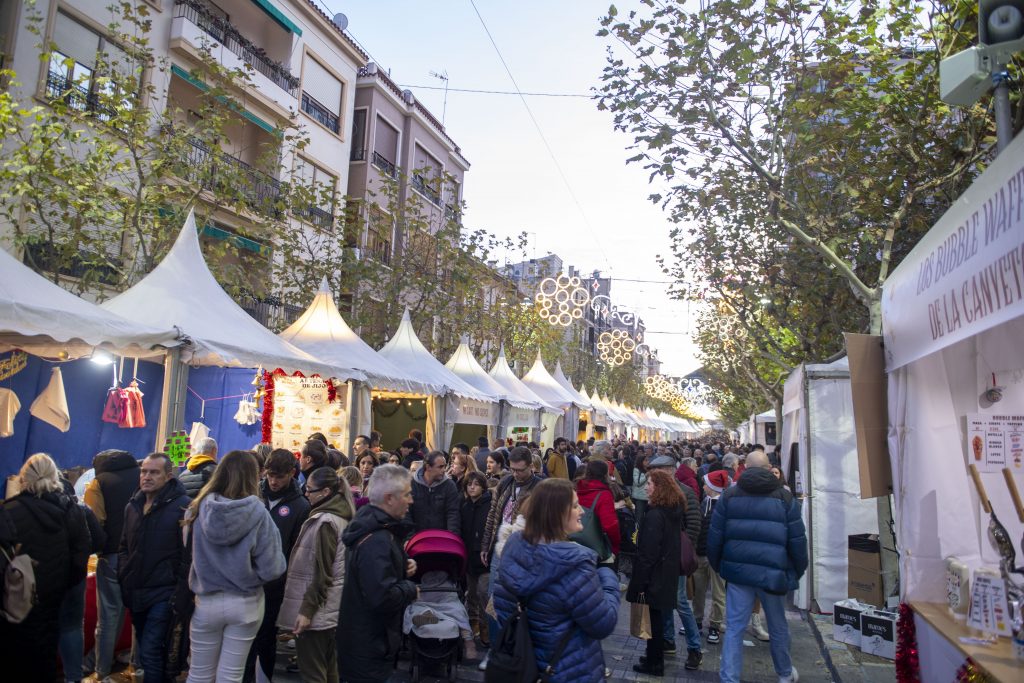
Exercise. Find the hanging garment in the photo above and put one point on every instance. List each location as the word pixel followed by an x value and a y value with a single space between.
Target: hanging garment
pixel 116 405
pixel 9 407
pixel 134 415
pixel 246 413
pixel 199 431
pixel 51 406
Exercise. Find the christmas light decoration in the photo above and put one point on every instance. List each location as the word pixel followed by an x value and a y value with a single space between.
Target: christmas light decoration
pixel 616 347
pixel 561 299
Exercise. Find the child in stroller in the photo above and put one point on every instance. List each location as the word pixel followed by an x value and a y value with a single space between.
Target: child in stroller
pixel 436 622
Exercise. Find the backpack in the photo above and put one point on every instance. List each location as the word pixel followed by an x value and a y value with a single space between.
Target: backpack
pixel 19 585
pixel 512 659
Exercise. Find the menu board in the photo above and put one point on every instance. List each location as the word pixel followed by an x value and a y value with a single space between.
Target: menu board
pixel 995 442
pixel 989 610
pixel 301 408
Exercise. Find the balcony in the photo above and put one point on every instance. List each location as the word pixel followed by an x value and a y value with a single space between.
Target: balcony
pixel 388 168
pixel 421 185
pixel 215 170
pixel 357 154
pixel 317 216
pixel 196 25
pixel 378 248
pixel 269 311
pixel 75 94
pixel 320 113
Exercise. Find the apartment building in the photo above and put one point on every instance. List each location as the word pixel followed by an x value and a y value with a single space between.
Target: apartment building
pixel 303 72
pixel 401 157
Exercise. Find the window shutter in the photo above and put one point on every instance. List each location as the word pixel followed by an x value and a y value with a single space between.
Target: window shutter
pixel 322 86
pixel 385 141
pixel 75 40
pixel 117 60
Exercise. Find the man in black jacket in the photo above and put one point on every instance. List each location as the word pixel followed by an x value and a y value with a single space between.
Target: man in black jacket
pixel 509 494
pixel 436 503
pixel 117 478
pixel 377 586
pixel 149 560
pixel 289 509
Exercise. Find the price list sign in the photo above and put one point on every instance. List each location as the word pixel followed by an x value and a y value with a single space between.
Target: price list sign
pixel 995 442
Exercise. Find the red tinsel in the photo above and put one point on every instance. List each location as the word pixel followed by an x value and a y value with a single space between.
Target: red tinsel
pixel 908 664
pixel 268 405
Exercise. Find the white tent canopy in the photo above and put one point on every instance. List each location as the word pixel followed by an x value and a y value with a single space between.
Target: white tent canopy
pixel 405 350
pixel 540 381
pixel 182 292
pixel 465 366
pixel 323 332
pixel 45 319
pixel 503 375
pixel 579 399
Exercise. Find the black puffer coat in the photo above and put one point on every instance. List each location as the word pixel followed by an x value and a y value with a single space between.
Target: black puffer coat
pixel 117 478
pixel 655 579
pixel 150 558
pixel 375 596
pixel 435 506
pixel 474 520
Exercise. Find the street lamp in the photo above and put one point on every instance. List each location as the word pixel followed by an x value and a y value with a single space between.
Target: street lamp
pixel 967 75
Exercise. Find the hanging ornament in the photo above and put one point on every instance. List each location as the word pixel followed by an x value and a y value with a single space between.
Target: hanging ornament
pixel 561 300
pixel 616 347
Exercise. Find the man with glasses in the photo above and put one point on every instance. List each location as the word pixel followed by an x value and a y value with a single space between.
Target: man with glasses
pixel 505 503
pixel 436 503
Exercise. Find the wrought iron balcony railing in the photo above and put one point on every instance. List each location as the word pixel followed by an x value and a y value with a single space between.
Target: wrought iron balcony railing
pixel 384 165
pixel 217 170
pixel 320 113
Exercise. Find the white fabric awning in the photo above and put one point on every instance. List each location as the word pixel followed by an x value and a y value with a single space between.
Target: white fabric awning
pixel 579 399
pixel 503 375
pixel 45 319
pixel 465 366
pixel 540 381
pixel 182 292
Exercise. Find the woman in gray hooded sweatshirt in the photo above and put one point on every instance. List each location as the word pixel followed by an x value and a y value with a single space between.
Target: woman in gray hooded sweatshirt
pixel 235 550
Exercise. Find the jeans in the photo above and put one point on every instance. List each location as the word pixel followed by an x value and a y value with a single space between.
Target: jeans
pixel 109 613
pixel 70 622
pixel 685 618
pixel 706 575
pixel 739 602
pixel 151 626
pixel 223 628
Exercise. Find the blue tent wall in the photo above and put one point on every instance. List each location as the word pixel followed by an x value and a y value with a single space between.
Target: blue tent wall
pixel 85 385
pixel 210 382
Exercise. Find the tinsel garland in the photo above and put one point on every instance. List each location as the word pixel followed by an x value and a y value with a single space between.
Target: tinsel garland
pixel 970 672
pixel 268 398
pixel 908 663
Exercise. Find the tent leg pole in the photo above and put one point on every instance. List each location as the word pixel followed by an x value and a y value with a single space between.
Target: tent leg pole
pixel 171 417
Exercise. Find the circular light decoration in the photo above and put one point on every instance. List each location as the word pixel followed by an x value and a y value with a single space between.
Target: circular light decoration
pixel 730 327
pixel 694 390
pixel 561 299
pixel 616 347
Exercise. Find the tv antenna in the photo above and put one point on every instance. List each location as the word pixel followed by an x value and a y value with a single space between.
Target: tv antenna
pixel 442 76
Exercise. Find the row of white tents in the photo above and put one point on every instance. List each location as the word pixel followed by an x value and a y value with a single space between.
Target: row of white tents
pixel 179 315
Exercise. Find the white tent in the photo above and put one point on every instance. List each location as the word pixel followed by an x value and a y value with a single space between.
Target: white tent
pixel 579 399
pixel 953 320
pixel 44 319
pixel 514 387
pixel 540 381
pixel 514 411
pixel 322 332
pixel 455 400
pixel 818 430
pixel 182 292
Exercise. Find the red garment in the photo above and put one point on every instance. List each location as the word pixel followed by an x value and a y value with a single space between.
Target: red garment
pixel 116 405
pixel 134 415
pixel 586 491
pixel 684 475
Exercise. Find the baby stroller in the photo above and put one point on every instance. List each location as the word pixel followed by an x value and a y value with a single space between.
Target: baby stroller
pixel 433 622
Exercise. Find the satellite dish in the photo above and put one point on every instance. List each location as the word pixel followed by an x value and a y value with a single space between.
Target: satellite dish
pixel 341 21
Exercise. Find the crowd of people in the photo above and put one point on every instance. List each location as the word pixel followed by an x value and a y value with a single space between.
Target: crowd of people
pixel 219 560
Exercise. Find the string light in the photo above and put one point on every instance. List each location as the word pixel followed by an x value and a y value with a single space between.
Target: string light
pixel 616 347
pixel 561 299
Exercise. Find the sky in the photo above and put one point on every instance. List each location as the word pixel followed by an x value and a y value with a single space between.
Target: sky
pixel 594 212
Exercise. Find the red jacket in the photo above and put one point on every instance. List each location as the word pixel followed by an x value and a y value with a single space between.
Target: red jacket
pixel 684 475
pixel 586 491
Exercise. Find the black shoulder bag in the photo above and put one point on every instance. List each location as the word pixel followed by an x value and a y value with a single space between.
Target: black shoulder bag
pixel 512 658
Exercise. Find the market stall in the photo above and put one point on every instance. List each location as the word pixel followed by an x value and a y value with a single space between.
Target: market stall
pixel 953 320
pixel 215 389
pixel 60 358
pixel 540 381
pixel 513 423
pixel 819 458
pixel 452 402
pixel 584 421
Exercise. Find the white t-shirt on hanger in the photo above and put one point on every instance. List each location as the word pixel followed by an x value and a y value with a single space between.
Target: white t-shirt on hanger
pixel 9 407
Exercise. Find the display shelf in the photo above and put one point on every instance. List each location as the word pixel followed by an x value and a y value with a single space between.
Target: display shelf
pixel 997 660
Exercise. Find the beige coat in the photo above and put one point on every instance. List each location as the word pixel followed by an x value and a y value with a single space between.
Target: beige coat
pixel 302 565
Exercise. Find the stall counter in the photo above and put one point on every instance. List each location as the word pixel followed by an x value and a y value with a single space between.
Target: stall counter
pixel 997 660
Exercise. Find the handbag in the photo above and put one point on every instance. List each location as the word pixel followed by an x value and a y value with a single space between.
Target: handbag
pixel 640 620
pixel 687 556
pixel 593 536
pixel 512 658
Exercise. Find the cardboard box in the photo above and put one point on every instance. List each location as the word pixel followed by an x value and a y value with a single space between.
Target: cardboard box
pixel 870 389
pixel 864 570
pixel 878 633
pixel 846 621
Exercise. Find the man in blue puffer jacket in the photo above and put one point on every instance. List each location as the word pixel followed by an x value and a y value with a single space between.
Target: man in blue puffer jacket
pixel 758 545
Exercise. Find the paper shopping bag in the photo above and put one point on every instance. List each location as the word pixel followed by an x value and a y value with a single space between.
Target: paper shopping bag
pixel 639 621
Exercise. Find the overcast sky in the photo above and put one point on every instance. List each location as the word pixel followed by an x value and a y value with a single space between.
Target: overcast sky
pixel 604 221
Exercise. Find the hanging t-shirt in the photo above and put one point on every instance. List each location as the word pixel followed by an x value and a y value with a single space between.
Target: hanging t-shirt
pixel 134 415
pixel 51 406
pixel 199 431
pixel 9 407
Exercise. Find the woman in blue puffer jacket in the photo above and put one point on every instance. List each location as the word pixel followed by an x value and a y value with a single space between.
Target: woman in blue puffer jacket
pixel 564 588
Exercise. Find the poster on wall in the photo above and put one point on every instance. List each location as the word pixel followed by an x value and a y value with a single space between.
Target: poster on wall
pixel 302 406
pixel 995 442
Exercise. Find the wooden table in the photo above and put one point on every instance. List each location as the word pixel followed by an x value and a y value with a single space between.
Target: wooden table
pixel 997 660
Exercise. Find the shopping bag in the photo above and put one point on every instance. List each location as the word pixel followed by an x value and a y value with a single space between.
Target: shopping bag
pixel 639 621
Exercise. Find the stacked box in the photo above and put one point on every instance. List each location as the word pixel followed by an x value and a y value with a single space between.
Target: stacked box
pixel 878 633
pixel 846 621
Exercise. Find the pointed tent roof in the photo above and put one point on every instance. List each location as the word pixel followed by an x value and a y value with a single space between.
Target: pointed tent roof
pixel 42 317
pixel 463 364
pixel 544 385
pixel 182 292
pixel 503 375
pixel 615 413
pixel 577 398
pixel 405 350
pixel 323 332
pixel 594 403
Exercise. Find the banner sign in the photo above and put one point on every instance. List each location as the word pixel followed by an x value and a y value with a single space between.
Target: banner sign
pixel 522 417
pixel 472 412
pixel 995 442
pixel 301 408
pixel 967 274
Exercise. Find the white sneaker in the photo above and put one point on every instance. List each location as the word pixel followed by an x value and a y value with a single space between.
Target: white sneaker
pixel 483 663
pixel 757 628
pixel 791 678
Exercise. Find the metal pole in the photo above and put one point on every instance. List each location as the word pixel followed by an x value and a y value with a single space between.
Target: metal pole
pixel 1004 118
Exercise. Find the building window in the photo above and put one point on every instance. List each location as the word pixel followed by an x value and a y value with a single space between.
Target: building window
pixel 321 95
pixel 378 236
pixel 322 187
pixel 85 65
pixel 385 148
pixel 358 136
pixel 425 177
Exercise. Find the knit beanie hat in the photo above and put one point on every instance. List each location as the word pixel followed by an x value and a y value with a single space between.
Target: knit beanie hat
pixel 717 481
